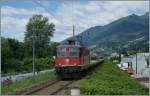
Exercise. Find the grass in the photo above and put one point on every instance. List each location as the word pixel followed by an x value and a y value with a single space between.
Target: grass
pixel 110 80
pixel 22 84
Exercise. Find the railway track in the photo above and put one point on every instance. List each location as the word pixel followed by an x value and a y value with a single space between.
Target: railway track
pixel 55 86
pixel 36 87
pixel 53 89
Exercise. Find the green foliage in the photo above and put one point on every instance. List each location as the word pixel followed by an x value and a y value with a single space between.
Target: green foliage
pixel 39 29
pixel 119 33
pixel 17 56
pixel 40 64
pixel 12 52
pixel 27 64
pixel 19 85
pixel 14 58
pixel 44 63
pixel 53 48
pixel 10 48
pixel 110 80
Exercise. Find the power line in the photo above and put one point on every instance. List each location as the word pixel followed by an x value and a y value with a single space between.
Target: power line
pixel 39 4
pixel 36 2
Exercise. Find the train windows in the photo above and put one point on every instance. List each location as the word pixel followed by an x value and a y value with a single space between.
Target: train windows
pixel 73 52
pixel 61 52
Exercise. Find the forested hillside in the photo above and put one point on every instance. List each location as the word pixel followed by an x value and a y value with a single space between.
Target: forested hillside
pixel 127 33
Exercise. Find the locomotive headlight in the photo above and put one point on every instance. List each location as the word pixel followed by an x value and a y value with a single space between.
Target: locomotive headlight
pixel 67 60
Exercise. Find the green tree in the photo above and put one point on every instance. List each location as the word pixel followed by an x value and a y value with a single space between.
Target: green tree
pixel 12 52
pixel 53 48
pixel 39 29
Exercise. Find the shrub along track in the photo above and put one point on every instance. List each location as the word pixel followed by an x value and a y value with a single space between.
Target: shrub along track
pixel 109 79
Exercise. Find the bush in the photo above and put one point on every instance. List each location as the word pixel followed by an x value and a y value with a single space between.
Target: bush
pixel 44 63
pixel 40 63
pixel 27 64
pixel 13 65
pixel 110 80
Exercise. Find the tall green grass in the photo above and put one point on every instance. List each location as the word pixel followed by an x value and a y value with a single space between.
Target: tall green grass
pixel 22 84
pixel 110 80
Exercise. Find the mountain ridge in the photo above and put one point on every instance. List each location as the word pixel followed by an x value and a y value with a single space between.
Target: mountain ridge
pixel 121 31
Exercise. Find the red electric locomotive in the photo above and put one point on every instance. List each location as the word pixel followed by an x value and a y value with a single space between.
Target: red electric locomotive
pixel 71 60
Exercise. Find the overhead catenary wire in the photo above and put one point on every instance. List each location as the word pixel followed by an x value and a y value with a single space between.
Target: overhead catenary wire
pixel 50 13
pixel 34 32
pixel 39 4
pixel 53 16
pixel 46 10
pixel 73 22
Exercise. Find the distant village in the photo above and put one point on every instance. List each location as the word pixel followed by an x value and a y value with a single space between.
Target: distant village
pixel 136 65
pixel 139 62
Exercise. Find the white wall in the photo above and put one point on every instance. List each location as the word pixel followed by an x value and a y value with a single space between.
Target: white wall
pixel 141 64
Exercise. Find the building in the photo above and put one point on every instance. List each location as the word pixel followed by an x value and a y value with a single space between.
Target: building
pixel 139 63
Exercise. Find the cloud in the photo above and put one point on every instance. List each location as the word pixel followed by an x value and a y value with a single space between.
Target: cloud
pixel 11 11
pixel 14 20
pixel 95 13
pixel 82 14
pixel 98 12
pixel 13 27
pixel 43 2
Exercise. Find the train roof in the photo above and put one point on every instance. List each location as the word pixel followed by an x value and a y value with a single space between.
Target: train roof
pixel 70 46
pixel 72 43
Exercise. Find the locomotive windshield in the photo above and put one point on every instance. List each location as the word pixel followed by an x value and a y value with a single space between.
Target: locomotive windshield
pixel 61 52
pixel 73 52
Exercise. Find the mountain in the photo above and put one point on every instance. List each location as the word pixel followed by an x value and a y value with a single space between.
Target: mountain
pixel 123 33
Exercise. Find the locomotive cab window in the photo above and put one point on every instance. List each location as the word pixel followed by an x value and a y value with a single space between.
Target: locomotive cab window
pixel 61 52
pixel 73 52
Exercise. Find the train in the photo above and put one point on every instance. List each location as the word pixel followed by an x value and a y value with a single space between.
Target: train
pixel 72 60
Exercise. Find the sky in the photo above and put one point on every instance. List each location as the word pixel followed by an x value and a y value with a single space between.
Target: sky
pixel 64 13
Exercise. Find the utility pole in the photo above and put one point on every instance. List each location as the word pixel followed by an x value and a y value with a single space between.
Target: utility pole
pixel 136 62
pixel 73 32
pixel 33 48
pixel 119 52
pixel 136 58
pixel 0 41
pixel 73 36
